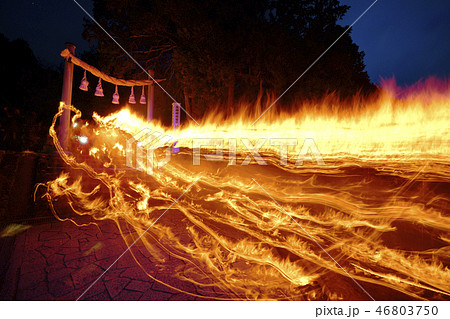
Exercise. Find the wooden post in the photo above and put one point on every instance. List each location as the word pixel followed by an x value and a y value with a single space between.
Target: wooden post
pixel 151 97
pixel 187 104
pixel 66 97
pixel 176 113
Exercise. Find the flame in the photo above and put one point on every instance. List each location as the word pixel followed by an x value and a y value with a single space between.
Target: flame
pixel 282 230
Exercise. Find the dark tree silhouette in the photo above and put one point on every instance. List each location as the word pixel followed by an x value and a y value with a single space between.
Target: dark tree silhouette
pixel 28 98
pixel 219 51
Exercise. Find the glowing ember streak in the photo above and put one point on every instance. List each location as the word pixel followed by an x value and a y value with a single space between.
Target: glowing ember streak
pixel 379 206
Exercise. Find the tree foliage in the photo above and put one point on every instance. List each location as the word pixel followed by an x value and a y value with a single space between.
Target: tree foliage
pixel 29 96
pixel 218 50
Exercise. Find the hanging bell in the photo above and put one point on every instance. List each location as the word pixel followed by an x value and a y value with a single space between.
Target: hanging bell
pixel 116 96
pixel 143 100
pixel 132 100
pixel 98 89
pixel 84 83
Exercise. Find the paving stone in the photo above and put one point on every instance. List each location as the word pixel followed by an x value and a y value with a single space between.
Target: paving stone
pixel 80 262
pixel 115 286
pixel 58 273
pixel 72 295
pixel 31 280
pixel 90 230
pixel 83 240
pixel 126 295
pixel 44 297
pixel 138 285
pixel 73 243
pixel 136 273
pixel 112 274
pixel 32 238
pixel 54 243
pixel 104 236
pixel 85 244
pixel 66 250
pixel 107 262
pixel 118 242
pixel 10 276
pixel 59 226
pixel 182 297
pixel 34 245
pixel 155 295
pixel 90 246
pixel 56 259
pixel 73 255
pixel 45 251
pixel 27 294
pixel 99 297
pixel 55 268
pixel 53 235
pixel 61 287
pixel 160 287
pixel 30 266
pixel 126 261
pixel 32 296
pixel 33 256
pixel 97 288
pixel 109 250
pixel 78 234
pixel 109 228
pixel 84 234
pixel 86 275
pixel 66 226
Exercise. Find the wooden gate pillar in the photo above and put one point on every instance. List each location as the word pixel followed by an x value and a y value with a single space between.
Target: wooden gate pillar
pixel 66 97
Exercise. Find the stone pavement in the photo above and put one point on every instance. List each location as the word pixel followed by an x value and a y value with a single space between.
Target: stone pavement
pixel 54 260
pixel 59 261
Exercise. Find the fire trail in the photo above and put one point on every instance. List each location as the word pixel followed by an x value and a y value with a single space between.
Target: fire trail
pixel 372 219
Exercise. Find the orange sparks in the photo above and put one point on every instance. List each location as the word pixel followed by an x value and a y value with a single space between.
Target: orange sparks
pixel 375 212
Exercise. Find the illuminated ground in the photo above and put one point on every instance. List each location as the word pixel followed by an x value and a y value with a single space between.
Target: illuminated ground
pixel 372 221
pixel 59 260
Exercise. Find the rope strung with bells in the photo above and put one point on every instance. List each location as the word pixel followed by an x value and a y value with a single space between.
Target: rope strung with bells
pixel 66 54
pixel 102 76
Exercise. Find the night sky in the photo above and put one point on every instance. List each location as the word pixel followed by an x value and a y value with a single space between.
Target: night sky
pixel 405 38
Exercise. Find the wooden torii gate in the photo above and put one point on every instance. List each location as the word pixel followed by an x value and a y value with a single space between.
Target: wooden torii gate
pixel 69 55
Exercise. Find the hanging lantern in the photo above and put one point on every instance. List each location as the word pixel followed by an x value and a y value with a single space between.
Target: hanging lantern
pixel 84 83
pixel 98 89
pixel 132 100
pixel 116 96
pixel 143 100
